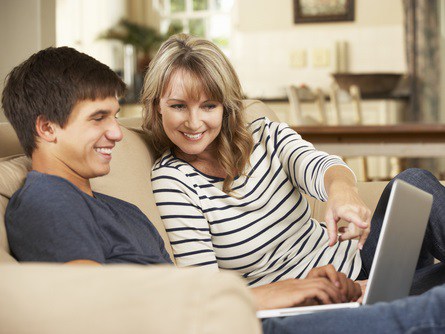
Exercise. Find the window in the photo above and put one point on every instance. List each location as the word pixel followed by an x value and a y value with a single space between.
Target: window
pixel 210 19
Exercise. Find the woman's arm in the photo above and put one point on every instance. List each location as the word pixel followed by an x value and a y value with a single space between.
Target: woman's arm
pixel 304 165
pixel 345 203
pixel 295 292
pixel 323 285
pixel 325 177
pixel 188 230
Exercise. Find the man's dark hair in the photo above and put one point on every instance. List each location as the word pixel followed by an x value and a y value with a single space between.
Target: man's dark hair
pixel 49 84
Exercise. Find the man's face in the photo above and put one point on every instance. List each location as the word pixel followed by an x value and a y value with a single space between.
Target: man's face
pixel 83 147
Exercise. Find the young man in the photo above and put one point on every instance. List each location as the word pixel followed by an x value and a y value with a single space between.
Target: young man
pixel 63 106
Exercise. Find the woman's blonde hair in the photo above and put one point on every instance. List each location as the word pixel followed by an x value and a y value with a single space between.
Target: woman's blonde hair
pixel 212 72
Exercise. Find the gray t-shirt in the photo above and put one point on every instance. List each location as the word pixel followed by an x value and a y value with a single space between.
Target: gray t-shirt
pixel 51 220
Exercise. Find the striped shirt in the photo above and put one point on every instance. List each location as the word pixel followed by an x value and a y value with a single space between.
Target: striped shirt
pixel 265 232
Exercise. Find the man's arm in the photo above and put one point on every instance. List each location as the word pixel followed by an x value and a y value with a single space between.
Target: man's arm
pixel 49 222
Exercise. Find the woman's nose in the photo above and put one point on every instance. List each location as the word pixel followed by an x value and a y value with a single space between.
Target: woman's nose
pixel 194 120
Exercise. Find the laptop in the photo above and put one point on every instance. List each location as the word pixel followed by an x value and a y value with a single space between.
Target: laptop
pixel 396 254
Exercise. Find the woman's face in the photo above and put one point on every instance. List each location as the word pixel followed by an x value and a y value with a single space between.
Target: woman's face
pixel 190 119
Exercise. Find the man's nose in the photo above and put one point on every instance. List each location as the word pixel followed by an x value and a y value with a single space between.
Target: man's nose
pixel 114 131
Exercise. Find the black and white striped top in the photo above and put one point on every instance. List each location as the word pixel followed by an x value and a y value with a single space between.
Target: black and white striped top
pixel 265 232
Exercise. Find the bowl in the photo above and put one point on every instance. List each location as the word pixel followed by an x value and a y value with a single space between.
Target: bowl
pixel 369 83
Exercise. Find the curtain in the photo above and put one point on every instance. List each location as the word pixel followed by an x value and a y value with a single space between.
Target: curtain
pixel 423 57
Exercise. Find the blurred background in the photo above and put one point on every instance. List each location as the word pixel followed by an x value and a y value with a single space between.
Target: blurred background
pixel 322 63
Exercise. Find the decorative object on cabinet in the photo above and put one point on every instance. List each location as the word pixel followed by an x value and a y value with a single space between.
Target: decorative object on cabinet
pixel 369 83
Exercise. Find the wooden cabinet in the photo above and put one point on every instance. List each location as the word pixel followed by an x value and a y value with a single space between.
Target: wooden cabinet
pixel 375 112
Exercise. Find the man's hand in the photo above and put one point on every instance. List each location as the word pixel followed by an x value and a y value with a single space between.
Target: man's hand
pixel 350 291
pixel 296 292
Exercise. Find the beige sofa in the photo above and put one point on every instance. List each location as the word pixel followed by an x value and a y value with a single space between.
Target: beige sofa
pixel 55 298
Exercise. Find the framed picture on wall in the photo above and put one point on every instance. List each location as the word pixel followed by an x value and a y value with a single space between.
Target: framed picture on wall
pixel 315 11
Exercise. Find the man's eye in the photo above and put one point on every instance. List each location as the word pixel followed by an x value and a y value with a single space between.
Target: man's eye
pixel 98 119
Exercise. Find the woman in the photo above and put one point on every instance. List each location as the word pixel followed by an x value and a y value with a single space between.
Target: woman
pixel 230 193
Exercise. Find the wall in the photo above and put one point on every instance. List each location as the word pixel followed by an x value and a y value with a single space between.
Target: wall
pixel 80 22
pixel 265 40
pixel 26 26
pixel 142 11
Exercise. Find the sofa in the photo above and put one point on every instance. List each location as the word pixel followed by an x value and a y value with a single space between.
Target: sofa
pixel 57 298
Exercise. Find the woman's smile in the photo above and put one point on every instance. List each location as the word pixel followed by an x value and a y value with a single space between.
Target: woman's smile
pixel 193 136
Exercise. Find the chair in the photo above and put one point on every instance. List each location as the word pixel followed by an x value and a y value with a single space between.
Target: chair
pixel 352 100
pixel 339 97
pixel 321 103
pixel 296 115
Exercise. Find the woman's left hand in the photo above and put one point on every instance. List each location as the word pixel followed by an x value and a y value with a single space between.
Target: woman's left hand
pixel 345 203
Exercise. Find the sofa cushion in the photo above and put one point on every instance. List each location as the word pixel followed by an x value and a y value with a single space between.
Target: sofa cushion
pixel 54 298
pixel 255 109
pixel 13 171
pixel 10 144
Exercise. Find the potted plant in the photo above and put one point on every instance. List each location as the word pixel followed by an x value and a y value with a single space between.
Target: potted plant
pixel 144 39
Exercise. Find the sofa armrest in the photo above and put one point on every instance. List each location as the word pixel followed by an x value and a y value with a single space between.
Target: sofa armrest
pixel 56 298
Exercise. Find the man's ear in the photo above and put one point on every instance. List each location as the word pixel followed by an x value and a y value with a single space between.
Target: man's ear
pixel 46 130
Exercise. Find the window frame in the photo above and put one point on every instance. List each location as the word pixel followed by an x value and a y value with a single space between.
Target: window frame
pixel 166 17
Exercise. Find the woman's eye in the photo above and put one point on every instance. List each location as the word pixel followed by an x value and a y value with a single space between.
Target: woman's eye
pixel 178 106
pixel 210 106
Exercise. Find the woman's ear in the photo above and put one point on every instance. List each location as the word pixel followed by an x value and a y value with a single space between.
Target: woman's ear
pixel 46 130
